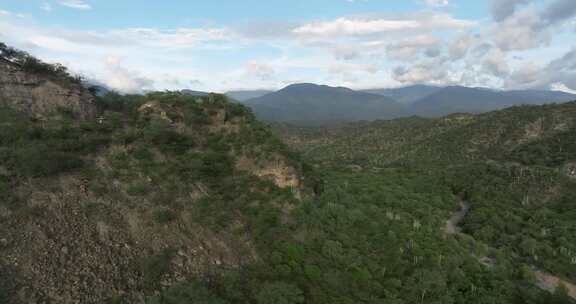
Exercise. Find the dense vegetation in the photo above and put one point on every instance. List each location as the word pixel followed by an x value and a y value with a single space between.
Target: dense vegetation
pixel 511 166
pixel 373 238
pixel 367 225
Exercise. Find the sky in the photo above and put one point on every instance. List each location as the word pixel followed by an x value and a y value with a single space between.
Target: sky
pixel 219 45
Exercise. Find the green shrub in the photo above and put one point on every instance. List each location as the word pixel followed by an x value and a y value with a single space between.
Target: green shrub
pixel 138 188
pixel 154 267
pixel 279 293
pixel 164 216
pixel 186 294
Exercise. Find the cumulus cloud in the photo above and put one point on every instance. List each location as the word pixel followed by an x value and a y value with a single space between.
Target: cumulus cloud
pixel 409 48
pixel 556 73
pixel 530 27
pixel 562 87
pixel 353 68
pixel 423 72
pixel 496 63
pixel 45 6
pixel 521 31
pixel 459 48
pixel 262 71
pixel 75 4
pixel 437 3
pixel 360 27
pixel 344 26
pixel 123 79
pixel 558 11
pixel 502 9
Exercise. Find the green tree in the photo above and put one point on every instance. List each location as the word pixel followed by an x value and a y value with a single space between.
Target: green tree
pixel 187 294
pixel 280 293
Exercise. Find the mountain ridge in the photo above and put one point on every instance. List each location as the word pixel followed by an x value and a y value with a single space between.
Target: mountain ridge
pixel 312 104
pixel 320 104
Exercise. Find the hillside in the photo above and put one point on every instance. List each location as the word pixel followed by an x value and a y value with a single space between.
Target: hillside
pixel 311 104
pixel 515 167
pixel 156 190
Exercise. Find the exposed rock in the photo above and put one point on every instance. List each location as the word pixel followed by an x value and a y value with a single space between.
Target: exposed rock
pixel 570 170
pixel 40 97
pixel 277 170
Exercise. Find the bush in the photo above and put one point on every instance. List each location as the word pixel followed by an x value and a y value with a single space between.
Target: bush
pixel 39 161
pixel 164 216
pixel 154 267
pixel 280 293
pixel 187 293
pixel 138 188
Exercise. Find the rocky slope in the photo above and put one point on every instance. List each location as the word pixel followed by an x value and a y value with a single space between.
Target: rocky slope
pixel 160 189
pixel 41 96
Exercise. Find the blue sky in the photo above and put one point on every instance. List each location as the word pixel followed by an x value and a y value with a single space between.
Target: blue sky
pixel 220 45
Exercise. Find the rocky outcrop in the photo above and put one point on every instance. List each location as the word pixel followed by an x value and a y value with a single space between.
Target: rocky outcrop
pixel 276 170
pixel 570 170
pixel 40 96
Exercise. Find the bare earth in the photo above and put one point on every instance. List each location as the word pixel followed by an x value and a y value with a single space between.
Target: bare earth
pixel 550 282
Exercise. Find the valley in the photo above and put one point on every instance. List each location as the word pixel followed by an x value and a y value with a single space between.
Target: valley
pixel 187 197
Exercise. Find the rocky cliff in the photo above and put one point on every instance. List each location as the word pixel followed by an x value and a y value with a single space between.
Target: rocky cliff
pixel 42 97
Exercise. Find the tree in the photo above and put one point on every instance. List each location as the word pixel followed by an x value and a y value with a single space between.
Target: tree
pixel 280 293
pixel 187 293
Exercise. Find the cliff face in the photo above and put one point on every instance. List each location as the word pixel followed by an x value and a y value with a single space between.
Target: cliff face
pixel 39 96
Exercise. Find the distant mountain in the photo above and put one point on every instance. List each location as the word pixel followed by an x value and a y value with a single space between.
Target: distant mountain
pixel 312 104
pixel 406 95
pixel 455 99
pixel 243 95
pixel 194 93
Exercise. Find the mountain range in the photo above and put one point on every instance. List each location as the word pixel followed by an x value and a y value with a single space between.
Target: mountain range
pixel 312 104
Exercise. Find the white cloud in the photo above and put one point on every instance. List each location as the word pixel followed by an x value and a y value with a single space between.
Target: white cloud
pixel 359 27
pixel 558 86
pixel 409 48
pixel 344 26
pixel 521 31
pixel 4 13
pixel 124 80
pixel 459 48
pixel 45 6
pixel 437 3
pixel 75 4
pixel 351 68
pixel 260 70
pixel 502 9
pixel 496 63
pixel 432 71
